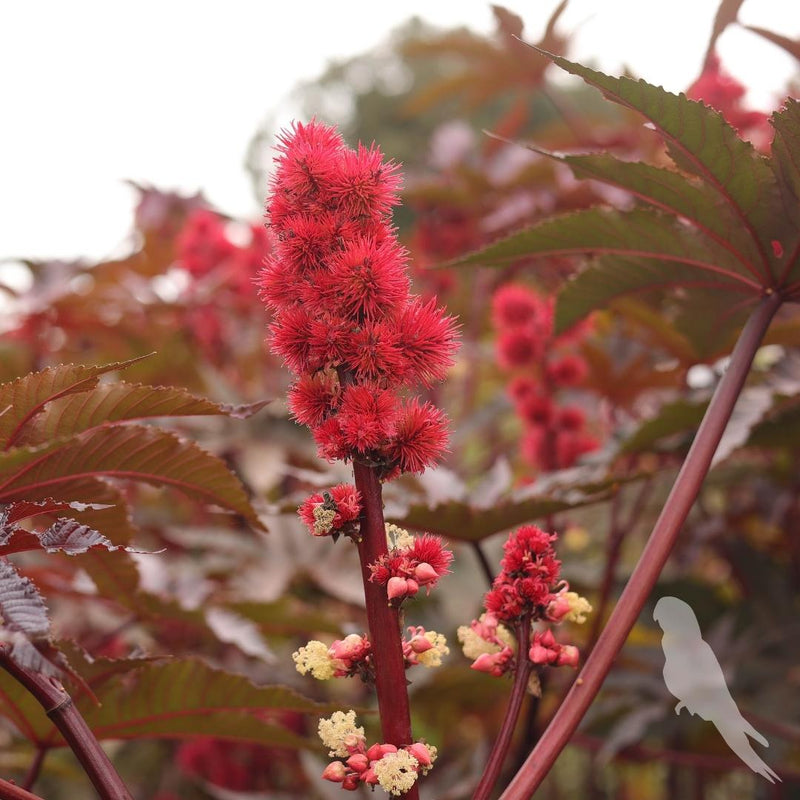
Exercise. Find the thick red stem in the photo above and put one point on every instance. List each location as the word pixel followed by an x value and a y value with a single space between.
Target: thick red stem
pixel 10 791
pixel 518 691
pixel 383 620
pixel 65 716
pixel 644 577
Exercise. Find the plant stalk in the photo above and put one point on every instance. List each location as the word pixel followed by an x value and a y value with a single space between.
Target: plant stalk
pixel 10 791
pixel 383 620
pixel 65 716
pixel 520 687
pixel 656 552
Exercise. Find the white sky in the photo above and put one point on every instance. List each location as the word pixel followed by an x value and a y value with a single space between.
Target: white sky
pixel 169 92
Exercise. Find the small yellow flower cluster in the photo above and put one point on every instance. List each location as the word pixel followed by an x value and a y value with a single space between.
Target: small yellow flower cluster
pixel 433 657
pixel 338 731
pixel 323 520
pixel 474 645
pixel 398 538
pixel 314 658
pixel 579 607
pixel 397 772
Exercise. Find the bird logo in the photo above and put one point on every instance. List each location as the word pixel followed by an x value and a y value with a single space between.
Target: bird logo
pixel 692 673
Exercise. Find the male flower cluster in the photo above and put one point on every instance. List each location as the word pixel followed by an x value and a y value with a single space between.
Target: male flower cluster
pixel 344 319
pixel 411 563
pixel 394 769
pixel 353 655
pixel 554 434
pixel 528 590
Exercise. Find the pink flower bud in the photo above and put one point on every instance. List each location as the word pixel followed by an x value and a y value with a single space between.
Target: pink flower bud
pixel 568 656
pixel 358 762
pixel 369 777
pixel 486 662
pixel 421 753
pixel 335 771
pixel 374 753
pixel 558 608
pixel 351 648
pixel 387 748
pixel 425 573
pixel 350 783
pixel 353 742
pixel 413 587
pixel 541 655
pixel 397 588
pixel 547 639
pixel 420 644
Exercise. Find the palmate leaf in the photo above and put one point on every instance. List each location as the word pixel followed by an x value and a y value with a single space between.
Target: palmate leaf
pixel 120 401
pixel 702 143
pixel 22 399
pixel 469 522
pixel 172 700
pixel 670 191
pixel 786 164
pixel 131 452
pixel 610 277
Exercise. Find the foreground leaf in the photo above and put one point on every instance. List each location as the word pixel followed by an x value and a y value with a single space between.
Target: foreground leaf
pixel 22 399
pixel 120 401
pixel 130 452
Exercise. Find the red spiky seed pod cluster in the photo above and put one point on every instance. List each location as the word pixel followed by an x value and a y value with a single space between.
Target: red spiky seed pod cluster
pixel 344 320
pixel 545 367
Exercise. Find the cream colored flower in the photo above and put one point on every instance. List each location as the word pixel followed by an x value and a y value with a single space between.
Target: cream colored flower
pixel 314 658
pixel 398 537
pixel 336 729
pixel 397 772
pixel 323 520
pixel 433 657
pixel 579 607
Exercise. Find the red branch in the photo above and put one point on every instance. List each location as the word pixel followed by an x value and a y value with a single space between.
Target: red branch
pixel 500 749
pixel 384 621
pixel 644 577
pixel 10 791
pixel 65 716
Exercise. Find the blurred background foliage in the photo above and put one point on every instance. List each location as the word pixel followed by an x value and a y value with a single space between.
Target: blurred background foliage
pixel 241 601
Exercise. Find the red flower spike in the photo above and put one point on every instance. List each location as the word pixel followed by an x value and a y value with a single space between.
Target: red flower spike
pixel 367 278
pixel 514 305
pixel 202 244
pixel 518 347
pixel 338 285
pixel 367 416
pixel 374 352
pixel 427 338
pixel 363 185
pixel 429 551
pixel 420 438
pixel 313 397
pixel 567 371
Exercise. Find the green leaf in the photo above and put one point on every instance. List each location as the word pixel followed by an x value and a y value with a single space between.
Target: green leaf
pixel 116 402
pixel 670 191
pixel 173 700
pixel 641 233
pixel 701 142
pixel 130 452
pixel 672 420
pixel 188 698
pixel 21 400
pixel 610 278
pixel 786 164
pixel 463 521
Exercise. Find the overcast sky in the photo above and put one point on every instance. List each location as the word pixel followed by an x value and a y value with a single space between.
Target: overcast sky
pixel 169 92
